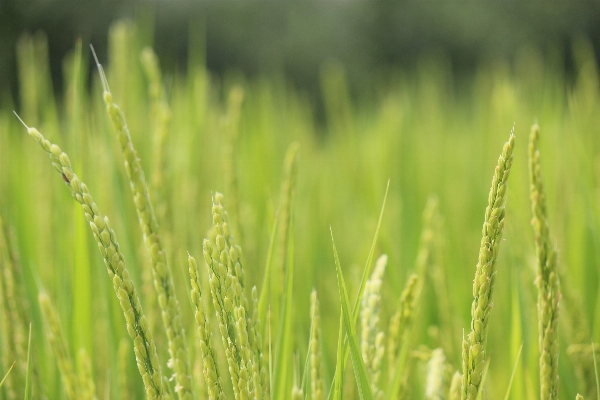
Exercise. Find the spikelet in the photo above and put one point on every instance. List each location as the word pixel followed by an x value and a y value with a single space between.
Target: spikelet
pixel 578 397
pixel 436 368
pixel 316 357
pixel 137 324
pixel 371 341
pixel 547 276
pixel 454 393
pixel 60 349
pixel 209 360
pixel 242 341
pixel 86 377
pixel 401 320
pixel 163 282
pixel 474 346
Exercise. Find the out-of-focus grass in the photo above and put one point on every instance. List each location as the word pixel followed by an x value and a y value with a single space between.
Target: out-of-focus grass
pixel 424 131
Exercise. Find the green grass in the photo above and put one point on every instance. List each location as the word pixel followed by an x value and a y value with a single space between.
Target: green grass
pixel 421 132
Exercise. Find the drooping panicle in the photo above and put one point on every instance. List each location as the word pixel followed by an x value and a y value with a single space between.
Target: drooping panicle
pixel 137 324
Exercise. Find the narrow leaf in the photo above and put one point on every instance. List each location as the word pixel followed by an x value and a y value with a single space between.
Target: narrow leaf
pixel 360 372
pixel 363 282
pixel 512 376
pixel 6 376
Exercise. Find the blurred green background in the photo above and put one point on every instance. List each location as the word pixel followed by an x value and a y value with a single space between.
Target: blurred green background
pixel 422 94
pixel 295 38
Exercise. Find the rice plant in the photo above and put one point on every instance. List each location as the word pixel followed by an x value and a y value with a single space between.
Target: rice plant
pixel 333 253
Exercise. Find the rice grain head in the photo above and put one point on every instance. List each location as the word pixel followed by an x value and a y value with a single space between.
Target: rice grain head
pixel 371 340
pixel 547 275
pixel 241 339
pixel 163 282
pixel 137 324
pixel 209 360
pixel 474 346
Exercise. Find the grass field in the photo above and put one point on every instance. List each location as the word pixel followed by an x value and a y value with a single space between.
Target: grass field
pixel 434 138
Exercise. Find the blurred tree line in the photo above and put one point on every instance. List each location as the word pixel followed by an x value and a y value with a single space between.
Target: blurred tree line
pixel 295 38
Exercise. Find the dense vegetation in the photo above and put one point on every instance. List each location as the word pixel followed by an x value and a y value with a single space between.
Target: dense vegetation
pixel 290 184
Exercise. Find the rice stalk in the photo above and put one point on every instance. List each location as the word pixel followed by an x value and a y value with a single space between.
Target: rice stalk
pixel 547 276
pixel 474 346
pixel 163 282
pixel 137 324
pixel 209 360
pixel 371 343
pixel 60 349
pixel 432 239
pixel 28 375
pixel 316 356
pixel 276 280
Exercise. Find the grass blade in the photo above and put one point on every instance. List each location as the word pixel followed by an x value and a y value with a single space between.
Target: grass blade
pixel 514 371
pixel 394 384
pixel 338 380
pixel 6 376
pixel 360 372
pixel 368 266
pixel 363 282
